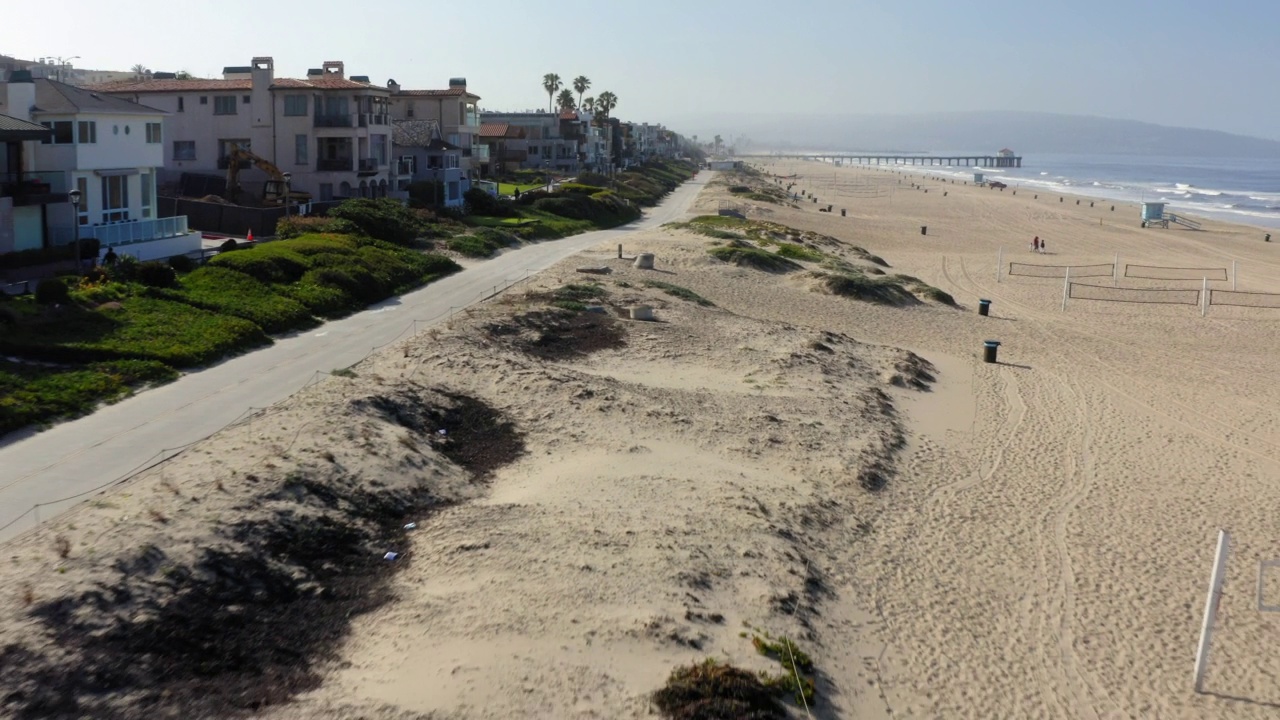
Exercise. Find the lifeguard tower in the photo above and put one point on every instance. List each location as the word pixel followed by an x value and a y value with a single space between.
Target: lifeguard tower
pixel 979 179
pixel 1153 214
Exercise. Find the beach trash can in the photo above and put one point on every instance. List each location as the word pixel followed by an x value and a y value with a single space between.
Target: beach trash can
pixel 842 212
pixel 984 307
pixel 989 350
pixel 924 229
pixel 1267 238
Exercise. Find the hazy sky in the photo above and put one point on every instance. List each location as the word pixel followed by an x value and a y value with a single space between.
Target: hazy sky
pixel 1179 62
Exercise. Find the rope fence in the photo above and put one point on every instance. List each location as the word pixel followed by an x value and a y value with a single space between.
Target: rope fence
pixel 249 415
pixel 1244 299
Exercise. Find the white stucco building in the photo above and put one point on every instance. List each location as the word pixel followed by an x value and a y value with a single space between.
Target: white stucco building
pixel 107 148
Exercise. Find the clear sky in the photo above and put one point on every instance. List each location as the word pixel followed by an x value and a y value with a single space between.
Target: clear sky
pixel 1193 63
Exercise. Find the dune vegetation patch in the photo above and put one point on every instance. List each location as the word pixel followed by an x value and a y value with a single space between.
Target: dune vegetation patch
pixel 753 257
pixel 559 333
pixel 680 292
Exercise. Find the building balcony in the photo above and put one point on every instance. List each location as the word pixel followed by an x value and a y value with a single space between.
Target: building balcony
pixel 480 152
pixel 368 119
pixel 334 121
pixel 136 231
pixel 34 188
pixel 334 165
pixel 368 166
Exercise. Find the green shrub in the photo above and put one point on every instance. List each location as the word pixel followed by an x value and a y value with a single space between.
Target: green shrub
pixel 711 690
pixel 89 248
pixel 581 188
pixel 34 394
pixel 298 225
pixel 680 292
pixel 143 328
pixel 383 218
pixel 798 252
pixel 157 274
pixel 880 290
pixel 182 264
pixel 52 292
pixel 234 293
pixel 739 189
pixel 269 263
pixel 480 202
pixel 753 257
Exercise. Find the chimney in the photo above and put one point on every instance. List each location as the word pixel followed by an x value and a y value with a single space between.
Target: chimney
pixel 334 68
pixel 20 95
pixel 262 70
pixel 393 86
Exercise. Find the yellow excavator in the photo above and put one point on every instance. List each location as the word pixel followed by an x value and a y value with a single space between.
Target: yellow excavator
pixel 273 190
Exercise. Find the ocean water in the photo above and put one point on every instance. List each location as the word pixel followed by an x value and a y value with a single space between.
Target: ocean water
pixel 1242 190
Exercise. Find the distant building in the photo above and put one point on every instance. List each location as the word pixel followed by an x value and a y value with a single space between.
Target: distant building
pixel 422 155
pixel 455 110
pixel 331 132
pixel 552 141
pixel 1006 153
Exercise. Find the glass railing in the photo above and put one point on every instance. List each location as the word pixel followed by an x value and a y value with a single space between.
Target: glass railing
pixel 136 231
pixel 334 165
pixel 335 120
pixel 480 152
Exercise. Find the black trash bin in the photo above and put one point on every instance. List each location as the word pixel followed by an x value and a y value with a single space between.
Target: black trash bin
pixel 989 349
pixel 984 307
pixel 1267 238
pixel 842 212
pixel 924 229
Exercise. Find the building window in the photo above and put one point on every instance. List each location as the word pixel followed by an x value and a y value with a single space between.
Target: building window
pixel 115 198
pixel 224 149
pixel 153 133
pixel 378 148
pixel 181 105
pixel 87 132
pixel 295 105
pixel 184 150
pixel 409 111
pixel 300 149
pixel 326 192
pixel 146 194
pixel 62 132
pixel 408 165
pixel 246 99
pixel 451 161
pixel 224 105
pixel 82 184
pixel 533 151
pixel 204 99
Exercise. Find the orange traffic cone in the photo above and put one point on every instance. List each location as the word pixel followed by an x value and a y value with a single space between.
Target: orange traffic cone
pixel 250 238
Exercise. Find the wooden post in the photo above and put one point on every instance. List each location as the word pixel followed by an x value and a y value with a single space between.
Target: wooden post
pixel 1066 288
pixel 999 263
pixel 1211 608
pixel 1204 296
pixel 1115 270
pixel 1233 274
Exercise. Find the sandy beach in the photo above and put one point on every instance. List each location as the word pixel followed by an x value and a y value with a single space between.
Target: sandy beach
pixel 598 500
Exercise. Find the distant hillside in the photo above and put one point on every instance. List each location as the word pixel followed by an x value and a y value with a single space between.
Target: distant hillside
pixel 979 131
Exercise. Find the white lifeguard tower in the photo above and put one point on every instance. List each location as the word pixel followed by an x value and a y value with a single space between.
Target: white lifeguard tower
pixel 1153 214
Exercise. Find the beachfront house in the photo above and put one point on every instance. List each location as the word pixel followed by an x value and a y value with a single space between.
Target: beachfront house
pixel 423 156
pixel 551 140
pixel 330 132
pixel 106 150
pixel 455 111
pixel 506 150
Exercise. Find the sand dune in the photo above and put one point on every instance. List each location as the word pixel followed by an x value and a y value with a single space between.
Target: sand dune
pixel 646 495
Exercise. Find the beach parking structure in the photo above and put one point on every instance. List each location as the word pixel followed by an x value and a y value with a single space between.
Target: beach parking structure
pixel 984 307
pixel 989 350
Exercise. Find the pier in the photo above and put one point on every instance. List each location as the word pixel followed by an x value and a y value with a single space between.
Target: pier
pixel 985 161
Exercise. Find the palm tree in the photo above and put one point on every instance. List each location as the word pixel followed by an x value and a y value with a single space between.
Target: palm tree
pixel 718 141
pixel 581 83
pixel 605 103
pixel 551 83
pixel 139 70
pixel 183 75
pixel 588 104
pixel 564 101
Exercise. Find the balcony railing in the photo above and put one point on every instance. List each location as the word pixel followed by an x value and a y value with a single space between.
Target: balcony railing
pixel 136 231
pixel 367 119
pixel 34 188
pixel 368 164
pixel 480 152
pixel 333 121
pixel 471 119
pixel 334 165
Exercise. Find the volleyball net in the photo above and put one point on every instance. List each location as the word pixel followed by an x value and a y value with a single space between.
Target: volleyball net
pixel 1155 272
pixel 1244 299
pixel 1060 271
pixel 1157 296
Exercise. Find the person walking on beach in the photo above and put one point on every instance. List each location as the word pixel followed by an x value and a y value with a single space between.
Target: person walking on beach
pixel 1042 248
pixel 1035 244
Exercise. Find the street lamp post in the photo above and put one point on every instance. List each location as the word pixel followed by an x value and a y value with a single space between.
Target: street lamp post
pixel 75 226
pixel 63 70
pixel 288 193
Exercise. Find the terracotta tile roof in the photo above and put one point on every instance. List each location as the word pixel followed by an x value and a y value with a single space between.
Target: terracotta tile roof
pixel 236 85
pixel 568 115
pixel 494 130
pixel 451 92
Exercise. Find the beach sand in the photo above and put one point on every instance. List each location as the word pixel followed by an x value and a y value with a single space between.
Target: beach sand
pixel 1038 542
